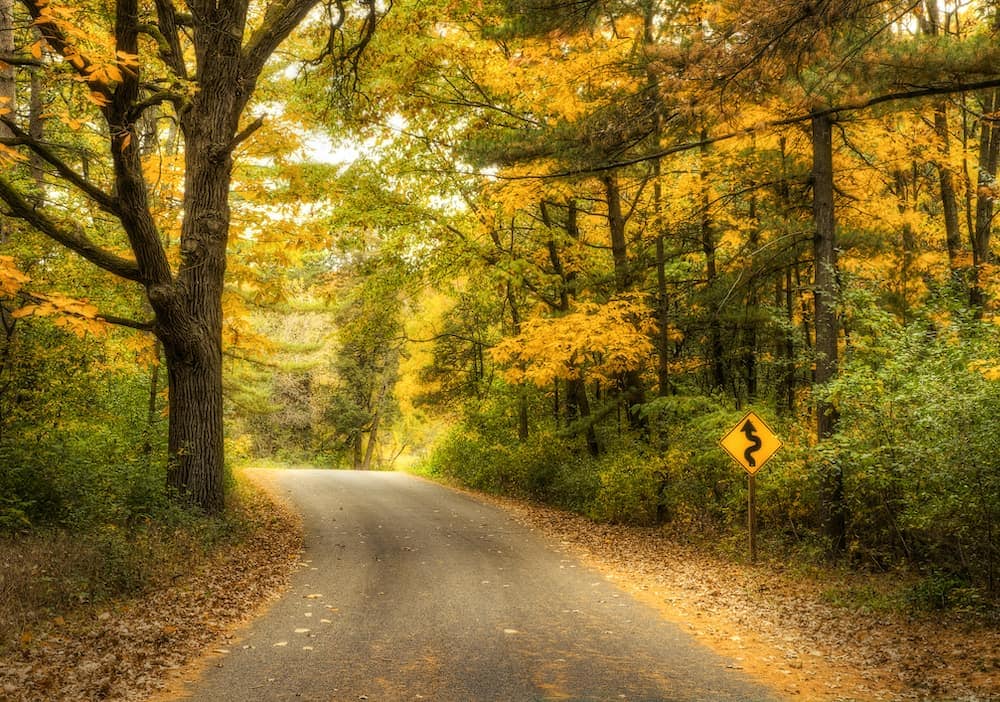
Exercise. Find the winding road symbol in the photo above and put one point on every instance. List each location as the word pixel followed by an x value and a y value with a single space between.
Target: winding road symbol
pixel 751 443
pixel 750 431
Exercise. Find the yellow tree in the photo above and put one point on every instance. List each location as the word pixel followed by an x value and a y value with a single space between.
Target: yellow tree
pixel 199 69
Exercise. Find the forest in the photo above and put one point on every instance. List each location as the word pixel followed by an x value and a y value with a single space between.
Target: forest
pixel 544 249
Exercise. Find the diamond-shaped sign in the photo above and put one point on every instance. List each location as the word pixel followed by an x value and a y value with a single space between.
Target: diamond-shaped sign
pixel 751 443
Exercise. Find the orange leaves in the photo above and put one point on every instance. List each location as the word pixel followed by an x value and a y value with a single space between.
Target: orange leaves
pixel 90 50
pixel 77 316
pixel 601 340
pixel 11 279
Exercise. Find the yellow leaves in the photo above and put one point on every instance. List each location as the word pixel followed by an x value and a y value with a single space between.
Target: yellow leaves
pixel 90 49
pixel 601 341
pixel 988 370
pixel 11 279
pixel 76 316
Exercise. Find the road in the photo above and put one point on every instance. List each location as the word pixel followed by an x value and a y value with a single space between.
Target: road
pixel 415 592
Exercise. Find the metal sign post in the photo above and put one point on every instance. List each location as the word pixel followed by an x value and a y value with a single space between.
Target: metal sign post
pixel 751 443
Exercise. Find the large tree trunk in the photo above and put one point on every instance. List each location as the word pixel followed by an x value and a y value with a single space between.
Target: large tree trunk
pixel 195 444
pixel 827 327
pixel 189 318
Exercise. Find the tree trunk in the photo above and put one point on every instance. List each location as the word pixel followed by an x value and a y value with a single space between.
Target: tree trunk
pixel 8 96
pixel 989 151
pixel 195 446
pixel 664 386
pixel 372 440
pixel 715 350
pixel 578 409
pixel 631 386
pixel 522 390
pixel 189 316
pixel 616 227
pixel 785 299
pixel 827 328
pixel 786 398
pixel 662 339
pixel 358 446
pixel 752 317
pixel 949 200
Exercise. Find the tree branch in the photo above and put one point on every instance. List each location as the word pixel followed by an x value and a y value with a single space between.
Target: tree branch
pixel 56 39
pixel 170 48
pixel 912 94
pixel 247 131
pixel 75 241
pixel 103 200
pixel 126 322
pixel 136 110
pixel 11 60
pixel 107 318
pixel 279 21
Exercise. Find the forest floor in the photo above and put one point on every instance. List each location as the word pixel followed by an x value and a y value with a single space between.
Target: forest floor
pixel 793 629
pixel 799 631
pixel 132 648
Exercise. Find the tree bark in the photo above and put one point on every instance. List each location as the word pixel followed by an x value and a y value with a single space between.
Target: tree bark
pixel 989 153
pixel 825 292
pixel 715 349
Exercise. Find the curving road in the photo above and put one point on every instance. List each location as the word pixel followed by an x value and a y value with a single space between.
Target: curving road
pixel 415 592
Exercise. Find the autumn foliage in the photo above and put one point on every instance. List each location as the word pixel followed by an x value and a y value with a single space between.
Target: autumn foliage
pixel 553 251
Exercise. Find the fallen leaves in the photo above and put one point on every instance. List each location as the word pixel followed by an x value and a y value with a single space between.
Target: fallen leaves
pixel 128 651
pixel 776 625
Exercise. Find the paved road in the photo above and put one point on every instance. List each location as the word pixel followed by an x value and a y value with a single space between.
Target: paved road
pixel 415 592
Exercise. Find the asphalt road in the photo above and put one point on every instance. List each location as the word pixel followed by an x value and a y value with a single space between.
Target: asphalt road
pixel 415 592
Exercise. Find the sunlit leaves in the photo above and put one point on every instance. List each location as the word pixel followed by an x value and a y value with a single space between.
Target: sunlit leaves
pixel 599 342
pixel 11 279
pixel 77 316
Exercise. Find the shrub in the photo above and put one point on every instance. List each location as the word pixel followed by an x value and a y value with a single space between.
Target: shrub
pixel 631 489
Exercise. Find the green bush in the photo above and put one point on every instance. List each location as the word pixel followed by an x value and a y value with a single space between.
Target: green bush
pixel 917 442
pixel 631 489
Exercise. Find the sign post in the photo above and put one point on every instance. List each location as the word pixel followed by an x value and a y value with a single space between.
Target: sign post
pixel 751 443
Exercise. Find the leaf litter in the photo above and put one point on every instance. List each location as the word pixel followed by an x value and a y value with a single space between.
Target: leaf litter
pixel 138 646
pixel 776 625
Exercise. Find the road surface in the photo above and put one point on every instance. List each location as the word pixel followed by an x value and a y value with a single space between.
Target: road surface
pixel 415 592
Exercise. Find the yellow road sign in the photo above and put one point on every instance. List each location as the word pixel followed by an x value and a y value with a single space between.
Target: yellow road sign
pixel 751 443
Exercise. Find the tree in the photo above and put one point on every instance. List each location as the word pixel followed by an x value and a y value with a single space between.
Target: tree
pixel 201 68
